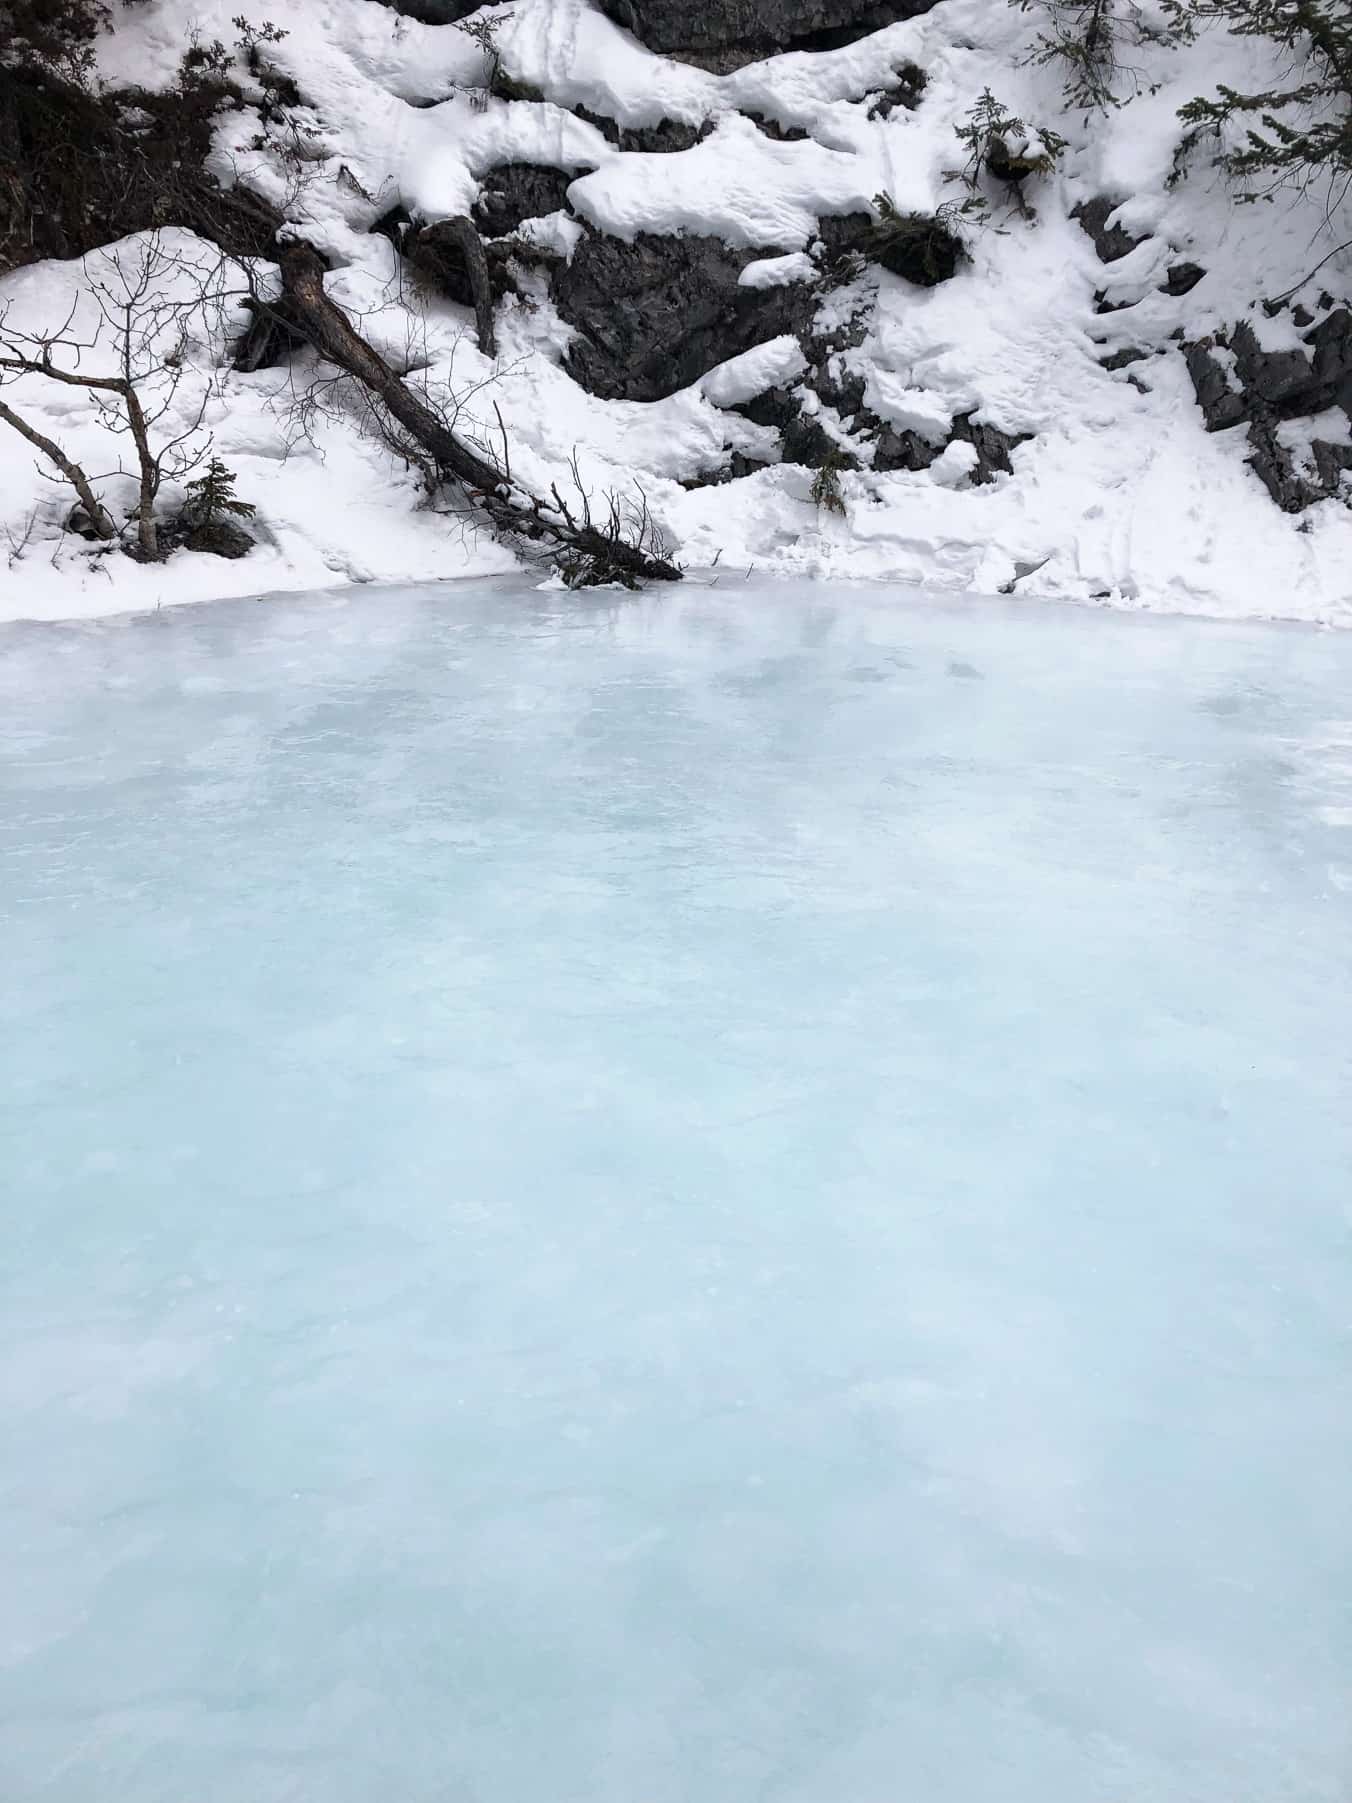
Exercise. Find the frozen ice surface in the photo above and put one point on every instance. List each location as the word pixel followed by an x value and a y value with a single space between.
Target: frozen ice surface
pixel 734 1195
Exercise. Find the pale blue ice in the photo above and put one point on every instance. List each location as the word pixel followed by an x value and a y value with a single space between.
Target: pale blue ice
pixel 729 1197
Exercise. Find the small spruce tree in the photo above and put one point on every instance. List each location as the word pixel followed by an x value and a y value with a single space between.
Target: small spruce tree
pixel 1299 130
pixel 1004 147
pixel 212 495
pixel 826 491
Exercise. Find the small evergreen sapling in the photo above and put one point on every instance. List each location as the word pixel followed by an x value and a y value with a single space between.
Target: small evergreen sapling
pixel 1005 148
pixel 1300 129
pixel 826 491
pixel 211 496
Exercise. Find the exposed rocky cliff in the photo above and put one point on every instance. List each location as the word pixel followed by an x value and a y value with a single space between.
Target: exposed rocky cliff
pixel 728 33
pixel 736 265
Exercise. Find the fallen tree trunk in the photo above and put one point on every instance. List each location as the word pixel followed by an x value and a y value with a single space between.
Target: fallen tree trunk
pixel 614 551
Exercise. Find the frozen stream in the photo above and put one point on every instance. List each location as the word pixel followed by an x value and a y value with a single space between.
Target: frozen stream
pixel 735 1197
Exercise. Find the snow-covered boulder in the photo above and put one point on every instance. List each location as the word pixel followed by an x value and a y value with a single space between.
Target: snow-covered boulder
pixel 434 12
pixel 729 32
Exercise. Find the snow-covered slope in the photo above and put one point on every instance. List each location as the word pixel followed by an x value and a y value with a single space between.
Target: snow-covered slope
pixel 1117 492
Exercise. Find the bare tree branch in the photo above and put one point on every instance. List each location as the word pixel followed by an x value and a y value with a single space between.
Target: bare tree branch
pixel 461 233
pixel 147 295
pixel 98 514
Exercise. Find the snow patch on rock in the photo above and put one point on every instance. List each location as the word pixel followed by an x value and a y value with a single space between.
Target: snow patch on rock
pixel 1119 494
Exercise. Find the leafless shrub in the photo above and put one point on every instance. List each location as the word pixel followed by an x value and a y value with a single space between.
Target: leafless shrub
pixel 18 546
pixel 150 297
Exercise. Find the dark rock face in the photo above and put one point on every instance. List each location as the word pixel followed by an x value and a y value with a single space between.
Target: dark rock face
pixel 727 33
pixel 434 12
pixel 992 446
pixel 1280 382
pixel 1182 278
pixel 1331 461
pixel 1111 242
pixel 1275 468
pixel 845 234
pixel 732 470
pixel 1288 384
pixel 515 192
pixel 803 439
pixel 439 258
pixel 1129 354
pixel 655 315
pixel 668 137
pixel 829 380
pixel 905 450
pixel 1222 405
pixel 1267 387
pixel 781 134
pixel 899 449
pixel 1331 342
pixel 1274 384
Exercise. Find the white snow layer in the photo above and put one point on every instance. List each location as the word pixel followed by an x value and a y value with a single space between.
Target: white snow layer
pixel 1118 495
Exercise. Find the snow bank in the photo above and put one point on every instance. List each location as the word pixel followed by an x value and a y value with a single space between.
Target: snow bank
pixel 1118 494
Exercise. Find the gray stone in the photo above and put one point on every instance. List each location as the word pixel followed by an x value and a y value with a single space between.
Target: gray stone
pixel 908 450
pixel 992 446
pixel 1275 468
pixel 1331 462
pixel 1283 382
pixel 1103 305
pixel 803 438
pixel 1111 242
pixel 1222 405
pixel 1271 386
pixel 1331 342
pixel 902 449
pixel 1182 278
pixel 1120 359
